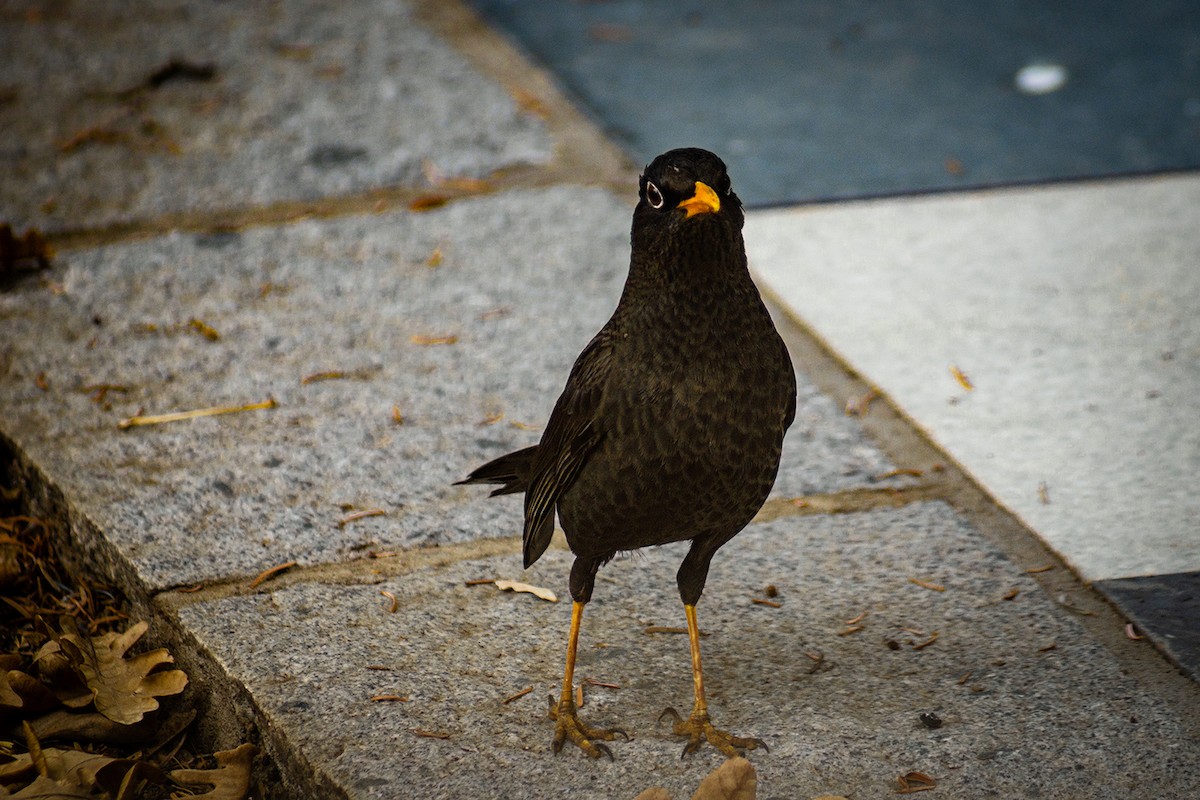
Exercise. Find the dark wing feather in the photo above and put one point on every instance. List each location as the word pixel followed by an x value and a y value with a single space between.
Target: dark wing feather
pixel 571 435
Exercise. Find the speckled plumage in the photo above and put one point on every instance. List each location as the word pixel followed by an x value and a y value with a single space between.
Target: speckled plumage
pixel 671 423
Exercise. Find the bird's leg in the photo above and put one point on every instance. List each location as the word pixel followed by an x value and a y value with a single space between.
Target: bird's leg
pixel 698 727
pixel 566 714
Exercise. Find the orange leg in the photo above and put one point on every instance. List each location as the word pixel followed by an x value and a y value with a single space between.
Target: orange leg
pixel 698 727
pixel 566 715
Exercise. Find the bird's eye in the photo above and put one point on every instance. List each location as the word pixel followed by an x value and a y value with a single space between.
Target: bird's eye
pixel 726 186
pixel 653 195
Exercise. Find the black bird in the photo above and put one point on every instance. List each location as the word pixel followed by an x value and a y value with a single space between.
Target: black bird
pixel 672 420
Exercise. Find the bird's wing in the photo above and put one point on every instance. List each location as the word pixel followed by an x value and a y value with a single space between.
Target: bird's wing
pixel 570 437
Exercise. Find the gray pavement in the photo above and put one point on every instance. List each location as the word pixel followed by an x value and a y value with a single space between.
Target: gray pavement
pixel 404 348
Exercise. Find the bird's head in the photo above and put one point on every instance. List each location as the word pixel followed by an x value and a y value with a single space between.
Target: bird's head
pixel 685 193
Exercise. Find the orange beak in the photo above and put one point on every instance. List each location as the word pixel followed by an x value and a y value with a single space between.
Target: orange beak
pixel 704 201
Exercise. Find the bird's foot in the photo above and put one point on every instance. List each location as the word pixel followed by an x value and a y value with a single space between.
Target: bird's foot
pixel 699 728
pixel 568 726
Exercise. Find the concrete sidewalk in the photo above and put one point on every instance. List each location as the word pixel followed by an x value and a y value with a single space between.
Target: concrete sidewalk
pixel 408 272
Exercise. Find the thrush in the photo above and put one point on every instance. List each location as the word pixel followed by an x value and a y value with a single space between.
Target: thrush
pixel 671 422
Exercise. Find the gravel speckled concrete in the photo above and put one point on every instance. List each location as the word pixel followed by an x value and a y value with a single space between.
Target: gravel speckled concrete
pixel 307 100
pixel 1031 706
pixel 525 279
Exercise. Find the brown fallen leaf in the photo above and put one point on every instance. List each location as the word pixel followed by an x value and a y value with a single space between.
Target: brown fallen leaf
pixel 62 774
pixel 735 779
pixel 536 591
pixel 25 693
pixel 123 689
pixel 914 782
pixel 231 778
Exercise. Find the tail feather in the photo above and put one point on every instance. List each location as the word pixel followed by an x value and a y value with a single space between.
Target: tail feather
pixel 512 470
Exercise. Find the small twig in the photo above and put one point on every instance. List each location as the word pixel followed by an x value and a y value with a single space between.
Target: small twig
pixel 758 601
pixel 426 340
pixel 390 596
pixel 594 682
pixel 389 698
pixel 1131 632
pixel 479 581
pixel 857 619
pixel 849 630
pixel 932 638
pixel 357 515
pixel 158 419
pixel 1035 570
pixel 937 587
pixel 328 375
pixel 519 694
pixel 267 574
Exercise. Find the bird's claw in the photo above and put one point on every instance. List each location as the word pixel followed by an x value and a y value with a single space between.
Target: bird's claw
pixel 569 726
pixel 699 729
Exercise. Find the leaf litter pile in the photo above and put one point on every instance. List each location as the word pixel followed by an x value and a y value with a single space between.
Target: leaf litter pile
pixel 85 712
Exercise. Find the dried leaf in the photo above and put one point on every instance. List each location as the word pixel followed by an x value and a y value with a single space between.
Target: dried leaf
pixel 59 674
pixel 915 782
pixel 24 693
pixel 962 378
pixel 733 780
pixel 655 793
pixel 230 780
pixel 62 773
pixel 536 591
pixel 124 689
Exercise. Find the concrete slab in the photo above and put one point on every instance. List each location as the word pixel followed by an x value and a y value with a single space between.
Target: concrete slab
pixel 1031 706
pixel 525 279
pixel 1072 312
pixel 302 100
